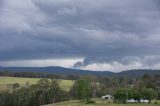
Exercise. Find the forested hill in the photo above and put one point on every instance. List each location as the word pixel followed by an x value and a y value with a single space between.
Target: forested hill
pixel 67 71
pixel 138 72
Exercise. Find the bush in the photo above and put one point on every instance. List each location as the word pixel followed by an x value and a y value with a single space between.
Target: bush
pixel 88 101
pixel 155 102
pixel 15 85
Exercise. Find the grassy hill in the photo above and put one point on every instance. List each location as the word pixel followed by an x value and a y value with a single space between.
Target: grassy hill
pixel 4 81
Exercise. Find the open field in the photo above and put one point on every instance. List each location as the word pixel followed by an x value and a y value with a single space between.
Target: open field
pixel 99 102
pixel 4 81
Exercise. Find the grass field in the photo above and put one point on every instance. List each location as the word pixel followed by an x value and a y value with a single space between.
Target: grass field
pixel 4 81
pixel 99 102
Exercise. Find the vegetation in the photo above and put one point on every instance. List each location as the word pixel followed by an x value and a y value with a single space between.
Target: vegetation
pixel 44 92
pixel 81 91
pixel 148 94
pixel 122 95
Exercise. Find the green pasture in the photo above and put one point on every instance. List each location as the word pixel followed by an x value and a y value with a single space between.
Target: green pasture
pixel 6 81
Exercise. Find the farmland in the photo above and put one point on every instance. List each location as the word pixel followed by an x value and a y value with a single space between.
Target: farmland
pixel 5 81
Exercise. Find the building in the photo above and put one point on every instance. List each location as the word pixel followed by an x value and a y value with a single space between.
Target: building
pixel 107 97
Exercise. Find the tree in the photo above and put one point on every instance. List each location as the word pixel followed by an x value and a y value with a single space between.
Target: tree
pixel 108 86
pixel 21 97
pixel 44 92
pixel 54 92
pixel 49 91
pixel 123 94
pixel 148 94
pixel 6 98
pixel 93 82
pixel 139 85
pixel 81 89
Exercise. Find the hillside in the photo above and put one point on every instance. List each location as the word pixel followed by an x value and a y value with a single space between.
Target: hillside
pixel 62 70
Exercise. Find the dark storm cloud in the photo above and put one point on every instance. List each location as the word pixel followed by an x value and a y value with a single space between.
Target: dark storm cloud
pixel 98 30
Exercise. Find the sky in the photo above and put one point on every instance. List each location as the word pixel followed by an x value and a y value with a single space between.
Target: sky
pixel 101 35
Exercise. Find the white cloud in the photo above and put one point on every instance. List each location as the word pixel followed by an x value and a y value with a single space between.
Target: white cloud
pixel 20 15
pixel 126 63
pixel 41 63
pixel 114 66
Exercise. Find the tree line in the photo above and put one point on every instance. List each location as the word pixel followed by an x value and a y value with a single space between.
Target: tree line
pixel 39 75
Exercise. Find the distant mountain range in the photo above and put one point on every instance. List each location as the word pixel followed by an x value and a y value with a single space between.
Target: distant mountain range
pixel 62 70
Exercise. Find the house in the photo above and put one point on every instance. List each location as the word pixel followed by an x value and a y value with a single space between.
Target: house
pixel 131 101
pixel 144 101
pixel 107 97
pixel 135 101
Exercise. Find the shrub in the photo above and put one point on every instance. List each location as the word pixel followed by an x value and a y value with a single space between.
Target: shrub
pixel 155 102
pixel 88 101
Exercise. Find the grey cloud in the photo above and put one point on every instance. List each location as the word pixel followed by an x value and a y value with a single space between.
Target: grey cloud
pixel 146 61
pixel 105 59
pixel 98 30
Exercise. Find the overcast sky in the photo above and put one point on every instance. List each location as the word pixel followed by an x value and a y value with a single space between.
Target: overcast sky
pixel 110 35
